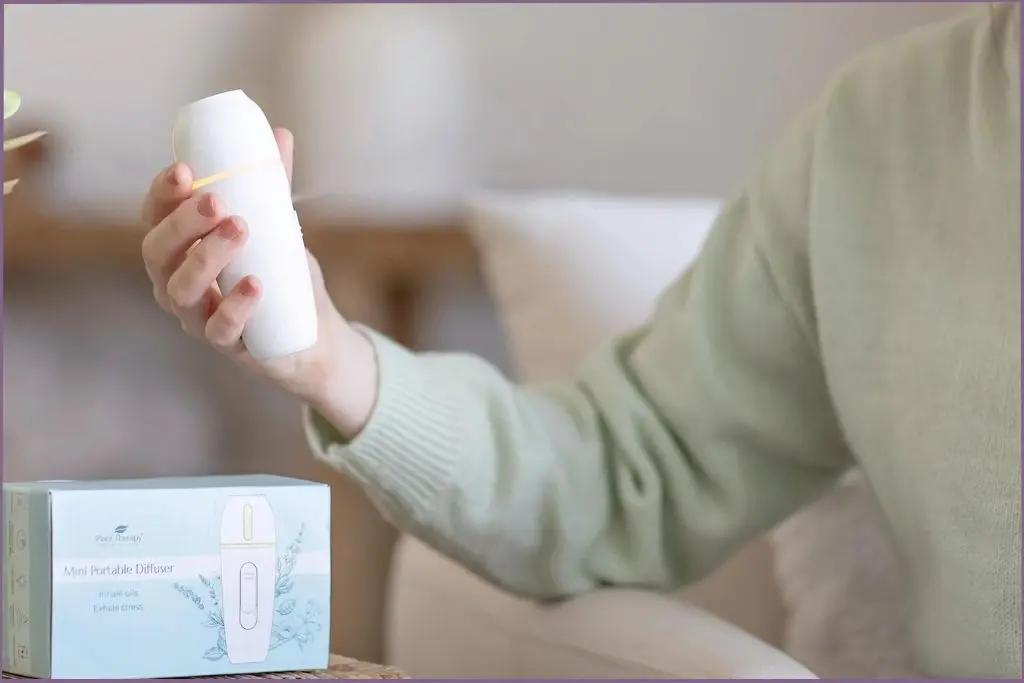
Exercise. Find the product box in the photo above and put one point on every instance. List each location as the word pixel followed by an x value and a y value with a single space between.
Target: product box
pixel 159 578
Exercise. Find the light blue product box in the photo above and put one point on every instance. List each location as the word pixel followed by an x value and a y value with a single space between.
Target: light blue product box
pixel 161 578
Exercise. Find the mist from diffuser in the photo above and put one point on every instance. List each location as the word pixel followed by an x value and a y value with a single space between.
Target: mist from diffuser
pixel 377 102
pixel 230 146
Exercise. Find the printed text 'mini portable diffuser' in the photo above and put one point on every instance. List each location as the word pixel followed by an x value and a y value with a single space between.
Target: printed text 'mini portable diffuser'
pixel 248 556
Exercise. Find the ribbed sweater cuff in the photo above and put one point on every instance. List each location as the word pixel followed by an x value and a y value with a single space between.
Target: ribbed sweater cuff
pixel 404 455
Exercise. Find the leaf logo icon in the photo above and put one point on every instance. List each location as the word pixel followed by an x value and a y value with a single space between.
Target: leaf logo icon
pixel 120 529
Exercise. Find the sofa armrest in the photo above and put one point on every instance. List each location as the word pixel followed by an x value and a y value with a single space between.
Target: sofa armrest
pixel 444 622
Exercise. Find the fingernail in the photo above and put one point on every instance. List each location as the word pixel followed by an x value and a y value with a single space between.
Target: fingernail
pixel 208 206
pixel 232 228
pixel 174 175
pixel 248 287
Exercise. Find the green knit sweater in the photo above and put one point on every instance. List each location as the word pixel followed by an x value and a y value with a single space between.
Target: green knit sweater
pixel 857 302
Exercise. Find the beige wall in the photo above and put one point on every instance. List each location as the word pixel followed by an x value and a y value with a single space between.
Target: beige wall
pixel 642 98
pixel 660 98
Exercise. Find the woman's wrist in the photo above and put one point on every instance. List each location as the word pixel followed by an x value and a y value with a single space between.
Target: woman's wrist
pixel 346 393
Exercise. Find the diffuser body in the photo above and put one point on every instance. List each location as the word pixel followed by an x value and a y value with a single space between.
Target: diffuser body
pixel 248 556
pixel 230 147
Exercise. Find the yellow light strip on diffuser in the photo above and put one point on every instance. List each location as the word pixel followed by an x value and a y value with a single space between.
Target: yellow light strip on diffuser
pixel 231 172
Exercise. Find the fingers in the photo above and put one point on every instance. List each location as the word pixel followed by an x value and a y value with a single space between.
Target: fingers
pixel 189 244
pixel 172 186
pixel 193 320
pixel 192 291
pixel 198 272
pixel 165 245
pixel 286 143
pixel 224 328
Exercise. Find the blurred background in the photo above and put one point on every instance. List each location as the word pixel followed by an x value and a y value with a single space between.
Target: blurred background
pixel 400 113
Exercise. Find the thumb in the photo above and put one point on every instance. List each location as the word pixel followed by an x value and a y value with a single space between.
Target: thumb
pixel 286 143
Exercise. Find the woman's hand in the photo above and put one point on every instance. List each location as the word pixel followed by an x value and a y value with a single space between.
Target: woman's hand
pixel 190 241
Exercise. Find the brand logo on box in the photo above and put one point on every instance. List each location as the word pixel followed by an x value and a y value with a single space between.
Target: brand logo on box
pixel 119 536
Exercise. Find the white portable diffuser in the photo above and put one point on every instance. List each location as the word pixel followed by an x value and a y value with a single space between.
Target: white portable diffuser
pixel 248 558
pixel 230 146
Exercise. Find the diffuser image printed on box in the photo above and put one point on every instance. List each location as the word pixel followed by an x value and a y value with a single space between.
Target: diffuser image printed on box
pixel 173 578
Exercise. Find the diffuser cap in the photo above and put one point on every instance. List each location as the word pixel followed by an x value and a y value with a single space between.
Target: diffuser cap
pixel 247 520
pixel 223 132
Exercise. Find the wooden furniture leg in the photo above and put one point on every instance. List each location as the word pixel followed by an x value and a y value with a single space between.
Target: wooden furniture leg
pixel 401 299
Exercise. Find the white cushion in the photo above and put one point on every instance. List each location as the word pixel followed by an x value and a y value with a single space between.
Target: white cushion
pixel 569 271
pixel 478 631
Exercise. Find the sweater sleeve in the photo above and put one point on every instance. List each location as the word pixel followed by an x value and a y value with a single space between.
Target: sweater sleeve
pixel 670 447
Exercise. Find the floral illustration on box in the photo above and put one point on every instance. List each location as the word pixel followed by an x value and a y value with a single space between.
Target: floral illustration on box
pixel 292 624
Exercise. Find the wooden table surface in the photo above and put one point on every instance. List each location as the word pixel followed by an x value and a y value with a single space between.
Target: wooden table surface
pixel 340 667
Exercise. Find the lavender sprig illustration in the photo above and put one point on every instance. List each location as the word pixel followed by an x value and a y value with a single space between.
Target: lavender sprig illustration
pixel 190 595
pixel 290 626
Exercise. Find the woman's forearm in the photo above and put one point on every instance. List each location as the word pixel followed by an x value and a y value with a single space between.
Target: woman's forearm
pixel 347 391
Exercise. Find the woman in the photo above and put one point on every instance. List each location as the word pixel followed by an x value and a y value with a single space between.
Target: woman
pixel 856 303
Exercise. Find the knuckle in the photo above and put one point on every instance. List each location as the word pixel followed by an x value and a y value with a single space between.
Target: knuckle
pixel 187 283
pixel 161 298
pixel 147 248
pixel 153 244
pixel 218 333
pixel 216 337
pixel 191 329
pixel 229 318
pixel 147 212
pixel 200 260
pixel 209 256
pixel 178 222
pixel 178 291
pixel 225 327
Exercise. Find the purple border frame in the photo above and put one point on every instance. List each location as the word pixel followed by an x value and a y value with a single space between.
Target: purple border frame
pixel 69 2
